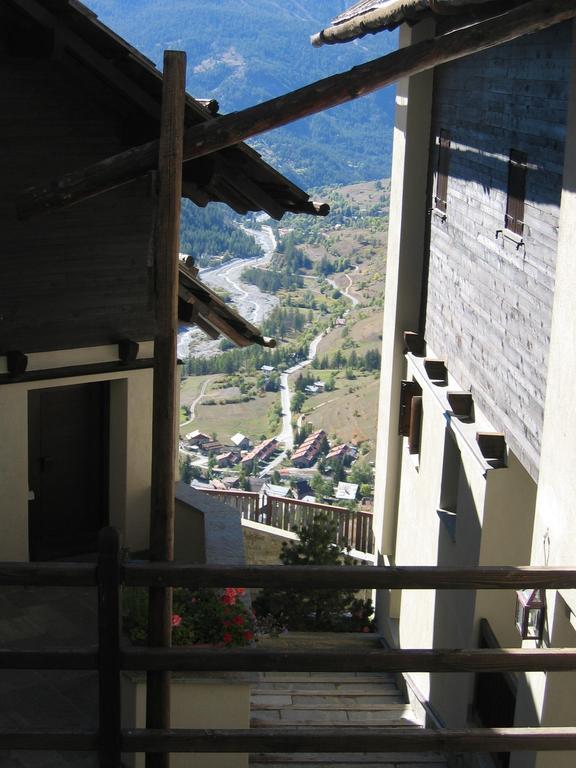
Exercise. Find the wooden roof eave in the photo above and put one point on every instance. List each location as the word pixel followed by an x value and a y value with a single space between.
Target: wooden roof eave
pixel 378 20
pixel 135 77
pixel 201 306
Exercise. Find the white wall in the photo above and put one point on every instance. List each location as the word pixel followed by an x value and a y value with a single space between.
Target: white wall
pixel 403 275
pixel 130 448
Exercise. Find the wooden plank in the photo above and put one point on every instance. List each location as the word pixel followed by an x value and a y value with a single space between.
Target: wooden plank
pixel 43 739
pixel 352 577
pixel 421 660
pixel 109 702
pixel 71 371
pixel 61 658
pixel 353 740
pixel 47 574
pixel 228 130
pixel 91 58
pixel 165 398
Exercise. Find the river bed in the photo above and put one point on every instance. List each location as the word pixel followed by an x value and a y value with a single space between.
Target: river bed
pixel 248 300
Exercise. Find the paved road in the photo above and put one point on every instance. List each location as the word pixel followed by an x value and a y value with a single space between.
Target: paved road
pixel 286 436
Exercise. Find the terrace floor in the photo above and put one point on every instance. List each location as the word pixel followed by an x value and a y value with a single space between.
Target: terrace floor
pixel 44 618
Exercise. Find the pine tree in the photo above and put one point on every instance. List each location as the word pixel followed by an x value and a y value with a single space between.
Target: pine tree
pixel 315 610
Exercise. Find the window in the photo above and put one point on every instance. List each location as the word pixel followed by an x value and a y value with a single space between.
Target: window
pixel 517 166
pixel 410 416
pixel 442 171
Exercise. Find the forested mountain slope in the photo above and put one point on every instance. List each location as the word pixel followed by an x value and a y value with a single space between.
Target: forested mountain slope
pixel 246 51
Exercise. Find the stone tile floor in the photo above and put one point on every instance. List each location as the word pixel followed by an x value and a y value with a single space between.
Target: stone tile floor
pixel 43 618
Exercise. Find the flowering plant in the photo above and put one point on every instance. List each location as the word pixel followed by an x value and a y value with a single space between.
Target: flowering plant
pixel 213 616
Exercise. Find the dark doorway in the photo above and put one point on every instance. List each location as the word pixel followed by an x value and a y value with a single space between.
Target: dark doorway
pixel 68 436
pixel 495 695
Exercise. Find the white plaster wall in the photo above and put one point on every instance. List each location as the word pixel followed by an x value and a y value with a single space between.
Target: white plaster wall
pixel 196 702
pixel 549 699
pixel 443 619
pixel 130 436
pixel 403 276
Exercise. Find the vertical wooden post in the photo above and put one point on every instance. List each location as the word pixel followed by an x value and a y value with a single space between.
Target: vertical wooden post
pixel 109 649
pixel 164 418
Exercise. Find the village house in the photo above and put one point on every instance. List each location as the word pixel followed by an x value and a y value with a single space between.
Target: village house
pixel 197 438
pixel 343 453
pixel 241 441
pixel 308 452
pixel 260 452
pixel 478 358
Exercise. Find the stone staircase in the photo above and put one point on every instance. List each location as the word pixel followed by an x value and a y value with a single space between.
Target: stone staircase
pixel 334 700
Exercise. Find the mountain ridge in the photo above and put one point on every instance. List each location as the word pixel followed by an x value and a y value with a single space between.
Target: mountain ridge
pixel 247 52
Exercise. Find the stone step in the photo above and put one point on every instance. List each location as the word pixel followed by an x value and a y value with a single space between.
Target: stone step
pixel 328 690
pixel 281 722
pixel 341 760
pixel 334 715
pixel 398 708
pixel 298 696
pixel 329 677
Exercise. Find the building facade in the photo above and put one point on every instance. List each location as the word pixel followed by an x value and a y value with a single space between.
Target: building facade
pixel 481 217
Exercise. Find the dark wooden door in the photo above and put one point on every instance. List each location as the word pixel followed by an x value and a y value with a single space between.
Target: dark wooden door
pixel 68 435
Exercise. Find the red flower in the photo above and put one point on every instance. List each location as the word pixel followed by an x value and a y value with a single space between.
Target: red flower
pixel 229 596
pixel 176 620
pixel 240 591
pixel 227 623
pixel 227 638
pixel 248 635
pixel 239 620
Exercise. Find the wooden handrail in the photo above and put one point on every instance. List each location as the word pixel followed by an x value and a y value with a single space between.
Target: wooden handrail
pixel 352 577
pixel 47 574
pixel 352 740
pixel 378 660
pixel 295 740
pixel 110 658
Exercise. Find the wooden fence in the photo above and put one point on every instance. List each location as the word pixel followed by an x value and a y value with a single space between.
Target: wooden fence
pixel 110 658
pixel 354 528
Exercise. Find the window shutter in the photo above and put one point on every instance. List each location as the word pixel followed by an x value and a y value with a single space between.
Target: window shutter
pixel 442 171
pixel 407 392
pixel 517 166
pixel 415 424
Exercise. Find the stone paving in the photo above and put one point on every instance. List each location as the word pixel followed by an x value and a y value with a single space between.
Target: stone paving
pixel 336 700
pixel 44 618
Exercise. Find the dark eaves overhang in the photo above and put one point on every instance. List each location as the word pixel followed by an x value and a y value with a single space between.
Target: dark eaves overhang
pixel 199 305
pixel 372 16
pixel 236 176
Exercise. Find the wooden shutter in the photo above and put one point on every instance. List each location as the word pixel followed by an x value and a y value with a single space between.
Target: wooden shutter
pixel 442 171
pixel 517 166
pixel 415 424
pixel 407 391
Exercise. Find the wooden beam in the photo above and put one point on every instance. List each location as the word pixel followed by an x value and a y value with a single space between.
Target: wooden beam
pixel 380 660
pixel 47 574
pixel 60 658
pixel 228 130
pixel 109 700
pixel 349 577
pixel 165 399
pixel 354 739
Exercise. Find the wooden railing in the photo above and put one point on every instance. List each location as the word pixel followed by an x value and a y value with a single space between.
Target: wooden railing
pixel 354 528
pixel 110 658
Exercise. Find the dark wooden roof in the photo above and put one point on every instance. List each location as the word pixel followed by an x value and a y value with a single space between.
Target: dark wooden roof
pixel 236 176
pixel 372 16
pixel 199 305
